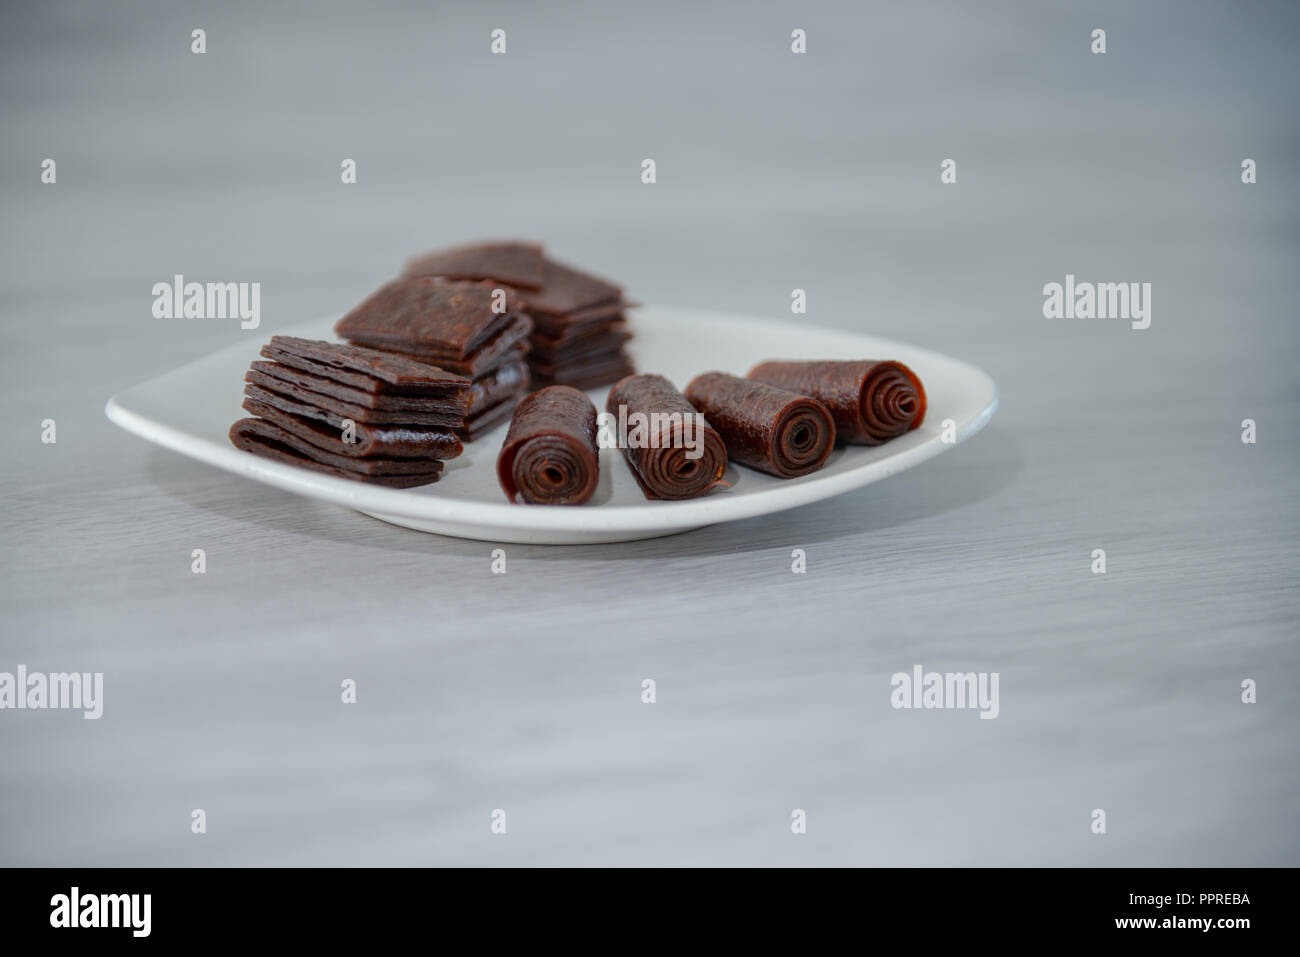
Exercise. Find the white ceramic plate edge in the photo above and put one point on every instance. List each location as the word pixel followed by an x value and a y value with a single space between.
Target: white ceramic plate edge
pixel 648 519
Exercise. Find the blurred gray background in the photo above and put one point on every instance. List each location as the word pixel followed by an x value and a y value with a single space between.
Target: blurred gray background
pixel 775 171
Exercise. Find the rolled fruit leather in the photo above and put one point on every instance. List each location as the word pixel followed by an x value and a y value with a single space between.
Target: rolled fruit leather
pixel 770 429
pixel 663 464
pixel 872 401
pixel 549 456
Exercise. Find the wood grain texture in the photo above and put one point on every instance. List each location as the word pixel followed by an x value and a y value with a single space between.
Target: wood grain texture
pixel 522 691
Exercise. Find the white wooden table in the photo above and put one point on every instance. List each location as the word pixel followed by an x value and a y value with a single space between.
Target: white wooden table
pixel 522 692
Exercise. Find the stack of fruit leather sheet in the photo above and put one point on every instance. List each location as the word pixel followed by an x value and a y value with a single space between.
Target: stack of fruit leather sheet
pixel 352 412
pixel 475 329
pixel 579 326
pixel 579 330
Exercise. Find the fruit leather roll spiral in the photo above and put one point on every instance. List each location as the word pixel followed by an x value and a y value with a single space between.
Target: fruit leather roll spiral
pixel 549 456
pixel 679 456
pixel 767 428
pixel 872 401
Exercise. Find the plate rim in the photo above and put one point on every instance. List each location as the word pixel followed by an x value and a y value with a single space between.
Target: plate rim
pixel 504 516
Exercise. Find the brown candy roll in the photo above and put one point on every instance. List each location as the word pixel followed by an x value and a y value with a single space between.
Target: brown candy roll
pixel 667 471
pixel 770 429
pixel 872 401
pixel 549 456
